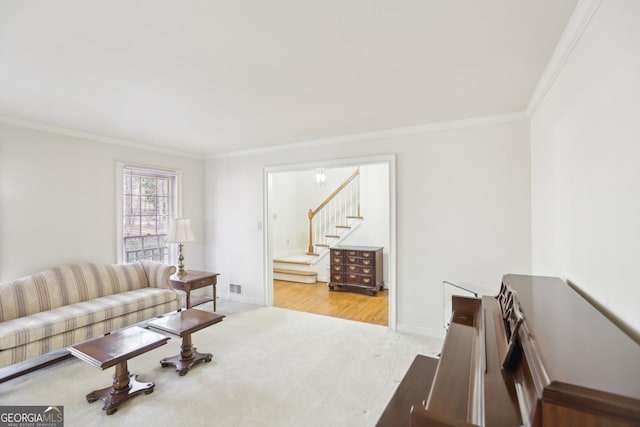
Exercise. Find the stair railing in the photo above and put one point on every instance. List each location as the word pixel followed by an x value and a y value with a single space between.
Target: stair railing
pixel 334 210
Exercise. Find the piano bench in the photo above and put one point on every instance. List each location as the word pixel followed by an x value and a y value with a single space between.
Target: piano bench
pixel 412 390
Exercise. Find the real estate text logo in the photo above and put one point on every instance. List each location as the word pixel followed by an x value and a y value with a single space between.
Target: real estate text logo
pixel 31 416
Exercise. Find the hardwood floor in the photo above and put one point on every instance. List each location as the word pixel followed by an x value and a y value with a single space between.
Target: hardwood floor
pixel 316 298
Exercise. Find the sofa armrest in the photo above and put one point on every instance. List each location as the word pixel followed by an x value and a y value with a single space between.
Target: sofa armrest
pixel 158 273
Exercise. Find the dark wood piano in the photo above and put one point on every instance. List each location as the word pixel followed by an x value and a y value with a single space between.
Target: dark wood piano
pixel 538 354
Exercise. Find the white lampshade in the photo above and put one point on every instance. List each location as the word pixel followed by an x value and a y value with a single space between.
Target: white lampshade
pixel 180 231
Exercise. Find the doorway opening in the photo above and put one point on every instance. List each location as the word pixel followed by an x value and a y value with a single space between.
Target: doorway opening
pixel 292 193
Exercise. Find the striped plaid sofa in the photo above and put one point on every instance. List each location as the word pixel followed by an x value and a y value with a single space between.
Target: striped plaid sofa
pixel 62 306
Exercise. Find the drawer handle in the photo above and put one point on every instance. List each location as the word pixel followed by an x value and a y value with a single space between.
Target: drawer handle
pixel 352 276
pixel 352 267
pixel 337 267
pixel 337 277
pixel 352 260
pixel 337 253
pixel 366 280
pixel 366 270
pixel 352 253
pixel 366 262
pixel 366 254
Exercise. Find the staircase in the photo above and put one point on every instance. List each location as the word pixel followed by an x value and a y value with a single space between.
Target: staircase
pixel 335 216
pixel 330 223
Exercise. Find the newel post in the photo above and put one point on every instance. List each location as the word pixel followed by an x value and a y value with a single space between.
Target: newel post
pixel 310 250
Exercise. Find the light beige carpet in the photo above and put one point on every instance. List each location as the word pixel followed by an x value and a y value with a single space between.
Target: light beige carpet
pixel 271 367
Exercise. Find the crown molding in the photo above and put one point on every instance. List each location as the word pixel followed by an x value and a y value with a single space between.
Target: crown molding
pixel 578 23
pixel 11 121
pixel 366 136
pixel 383 134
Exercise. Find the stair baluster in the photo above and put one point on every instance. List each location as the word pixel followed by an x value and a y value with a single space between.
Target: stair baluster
pixel 333 211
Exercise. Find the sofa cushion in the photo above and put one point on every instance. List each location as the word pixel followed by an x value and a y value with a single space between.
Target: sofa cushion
pixel 65 285
pixel 57 342
pixel 44 324
pixel 158 274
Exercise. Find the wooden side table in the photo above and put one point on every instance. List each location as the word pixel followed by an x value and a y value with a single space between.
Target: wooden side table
pixel 114 350
pixel 195 280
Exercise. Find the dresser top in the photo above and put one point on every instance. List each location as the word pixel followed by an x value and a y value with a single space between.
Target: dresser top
pixel 357 248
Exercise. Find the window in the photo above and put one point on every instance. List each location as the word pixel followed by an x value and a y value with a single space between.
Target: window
pixel 149 203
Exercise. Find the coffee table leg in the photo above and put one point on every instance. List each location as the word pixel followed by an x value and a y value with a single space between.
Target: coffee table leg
pixel 187 358
pixel 125 386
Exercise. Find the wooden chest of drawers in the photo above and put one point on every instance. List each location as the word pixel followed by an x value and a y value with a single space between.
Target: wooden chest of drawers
pixel 356 267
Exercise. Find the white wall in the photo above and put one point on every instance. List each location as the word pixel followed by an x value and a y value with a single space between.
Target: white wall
pixel 285 214
pixel 586 164
pixel 463 212
pixel 58 198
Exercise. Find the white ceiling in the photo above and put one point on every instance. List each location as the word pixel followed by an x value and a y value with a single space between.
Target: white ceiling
pixel 219 76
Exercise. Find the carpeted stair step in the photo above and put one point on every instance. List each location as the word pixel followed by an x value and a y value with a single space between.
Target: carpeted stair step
pixel 290 275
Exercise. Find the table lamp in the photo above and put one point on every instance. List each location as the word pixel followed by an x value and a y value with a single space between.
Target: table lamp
pixel 180 232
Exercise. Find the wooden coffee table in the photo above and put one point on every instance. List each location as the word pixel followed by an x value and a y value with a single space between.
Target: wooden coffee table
pixel 183 324
pixel 115 349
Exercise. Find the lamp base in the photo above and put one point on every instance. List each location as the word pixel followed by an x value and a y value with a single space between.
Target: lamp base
pixel 181 270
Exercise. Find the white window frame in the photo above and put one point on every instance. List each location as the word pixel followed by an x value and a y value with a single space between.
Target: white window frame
pixel 177 208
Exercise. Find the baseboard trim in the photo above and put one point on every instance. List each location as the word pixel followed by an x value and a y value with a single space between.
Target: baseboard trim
pixel 241 298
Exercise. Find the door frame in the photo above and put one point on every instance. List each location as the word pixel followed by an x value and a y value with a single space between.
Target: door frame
pixel 390 160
